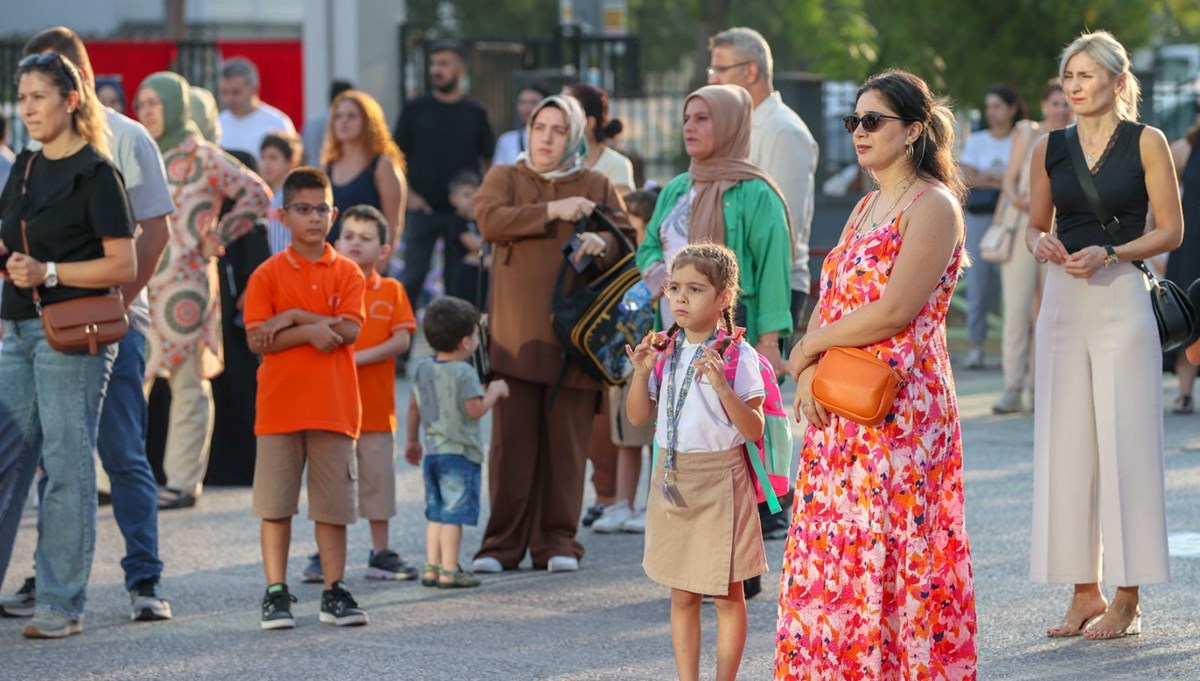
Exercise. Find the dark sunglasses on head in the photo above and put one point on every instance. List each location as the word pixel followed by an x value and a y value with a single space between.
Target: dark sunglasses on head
pixel 870 121
pixel 46 59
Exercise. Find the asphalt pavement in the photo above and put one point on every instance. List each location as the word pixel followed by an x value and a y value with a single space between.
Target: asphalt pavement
pixel 607 621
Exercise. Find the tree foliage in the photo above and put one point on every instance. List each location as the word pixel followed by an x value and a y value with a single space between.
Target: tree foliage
pixel 960 47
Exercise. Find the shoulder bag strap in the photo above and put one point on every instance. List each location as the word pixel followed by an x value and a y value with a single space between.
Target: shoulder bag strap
pixel 37 299
pixel 1108 222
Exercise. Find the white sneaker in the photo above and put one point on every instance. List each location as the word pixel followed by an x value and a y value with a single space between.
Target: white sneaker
pixel 487 564
pixel 563 564
pixel 974 359
pixel 613 518
pixel 636 524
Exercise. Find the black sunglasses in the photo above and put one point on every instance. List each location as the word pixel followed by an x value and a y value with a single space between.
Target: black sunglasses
pixel 870 121
pixel 46 59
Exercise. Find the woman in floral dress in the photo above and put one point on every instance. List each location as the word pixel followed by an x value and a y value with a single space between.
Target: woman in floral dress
pixel 877 568
pixel 185 334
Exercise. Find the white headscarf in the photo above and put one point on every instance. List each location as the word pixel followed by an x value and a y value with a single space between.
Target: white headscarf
pixel 575 154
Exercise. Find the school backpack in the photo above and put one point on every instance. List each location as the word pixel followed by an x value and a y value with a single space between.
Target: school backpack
pixel 772 459
pixel 590 322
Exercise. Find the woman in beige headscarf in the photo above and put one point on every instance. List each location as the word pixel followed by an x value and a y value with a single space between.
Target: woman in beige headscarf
pixel 726 199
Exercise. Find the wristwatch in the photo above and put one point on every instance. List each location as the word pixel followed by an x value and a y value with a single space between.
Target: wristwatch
pixel 1111 258
pixel 51 275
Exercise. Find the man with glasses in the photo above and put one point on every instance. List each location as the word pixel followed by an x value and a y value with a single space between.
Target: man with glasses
pixel 780 144
pixel 122 440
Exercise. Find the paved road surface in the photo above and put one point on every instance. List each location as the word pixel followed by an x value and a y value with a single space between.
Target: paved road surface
pixel 606 622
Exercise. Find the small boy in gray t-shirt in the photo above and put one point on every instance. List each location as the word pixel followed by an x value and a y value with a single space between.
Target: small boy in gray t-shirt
pixel 448 401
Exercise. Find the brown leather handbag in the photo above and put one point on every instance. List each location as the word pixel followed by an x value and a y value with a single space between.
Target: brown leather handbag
pixel 80 324
pixel 856 385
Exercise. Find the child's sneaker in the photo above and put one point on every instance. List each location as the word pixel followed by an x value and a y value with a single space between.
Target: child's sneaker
pixel 338 607
pixel 636 524
pixel 313 574
pixel 22 603
pixel 388 565
pixel 613 518
pixel 457 579
pixel 277 608
pixel 148 605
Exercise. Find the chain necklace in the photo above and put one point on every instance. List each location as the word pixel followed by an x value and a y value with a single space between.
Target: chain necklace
pixel 875 222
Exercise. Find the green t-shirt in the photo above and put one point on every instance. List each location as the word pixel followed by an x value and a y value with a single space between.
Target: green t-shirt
pixel 442 390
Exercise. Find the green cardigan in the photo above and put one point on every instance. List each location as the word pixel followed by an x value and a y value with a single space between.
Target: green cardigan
pixel 756 230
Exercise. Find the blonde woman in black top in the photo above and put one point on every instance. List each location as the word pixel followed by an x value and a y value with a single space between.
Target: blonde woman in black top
pixel 80 243
pixel 1098 430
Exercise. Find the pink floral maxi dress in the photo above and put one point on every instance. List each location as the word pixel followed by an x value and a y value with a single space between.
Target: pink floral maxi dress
pixel 184 310
pixel 877 577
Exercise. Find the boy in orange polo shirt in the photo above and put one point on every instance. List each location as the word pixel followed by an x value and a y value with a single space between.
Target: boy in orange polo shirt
pixel 385 334
pixel 303 311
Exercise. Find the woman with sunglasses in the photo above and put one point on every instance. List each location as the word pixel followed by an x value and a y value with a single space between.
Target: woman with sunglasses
pixel 1099 500
pixel 184 343
pixel 984 159
pixel 68 202
pixel 726 199
pixel 877 568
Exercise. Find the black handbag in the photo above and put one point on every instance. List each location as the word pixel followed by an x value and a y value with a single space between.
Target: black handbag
pixel 1174 313
pixel 983 200
pixel 590 322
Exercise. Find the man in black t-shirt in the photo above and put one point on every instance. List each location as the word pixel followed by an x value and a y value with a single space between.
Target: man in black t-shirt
pixel 441 133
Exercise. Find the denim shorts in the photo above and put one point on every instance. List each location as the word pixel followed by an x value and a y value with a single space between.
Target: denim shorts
pixel 451 489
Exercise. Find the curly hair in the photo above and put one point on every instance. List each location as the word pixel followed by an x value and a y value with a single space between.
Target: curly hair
pixel 375 136
pixel 719 265
pixel 88 119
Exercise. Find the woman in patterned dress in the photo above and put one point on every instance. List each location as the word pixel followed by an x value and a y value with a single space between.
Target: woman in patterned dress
pixel 184 344
pixel 877 569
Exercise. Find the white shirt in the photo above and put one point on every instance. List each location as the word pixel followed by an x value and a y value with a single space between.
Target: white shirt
pixel 782 145
pixel 703 424
pixel 508 146
pixel 616 167
pixel 245 133
pixel 985 153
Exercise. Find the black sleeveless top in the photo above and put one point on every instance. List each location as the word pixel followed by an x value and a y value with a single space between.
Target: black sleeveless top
pixel 1120 181
pixel 361 189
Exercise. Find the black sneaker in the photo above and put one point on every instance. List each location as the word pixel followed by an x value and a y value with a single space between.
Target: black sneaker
pixel 388 565
pixel 20 604
pixel 148 606
pixel 277 608
pixel 593 514
pixel 338 607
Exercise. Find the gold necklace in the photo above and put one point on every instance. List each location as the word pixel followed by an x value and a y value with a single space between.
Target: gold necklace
pixel 875 223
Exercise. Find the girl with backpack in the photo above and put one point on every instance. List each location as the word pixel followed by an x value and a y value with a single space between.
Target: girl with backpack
pixel 702 530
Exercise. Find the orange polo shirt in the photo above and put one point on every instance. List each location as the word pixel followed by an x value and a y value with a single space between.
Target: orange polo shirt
pixel 302 388
pixel 388 311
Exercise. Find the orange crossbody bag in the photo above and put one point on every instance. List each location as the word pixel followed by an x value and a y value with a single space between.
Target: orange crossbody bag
pixel 856 385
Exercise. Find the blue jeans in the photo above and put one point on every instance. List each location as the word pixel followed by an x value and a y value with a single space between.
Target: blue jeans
pixel 452 484
pixel 123 453
pixel 51 405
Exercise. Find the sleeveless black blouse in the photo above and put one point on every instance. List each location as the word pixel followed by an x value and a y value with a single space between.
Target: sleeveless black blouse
pixel 1120 181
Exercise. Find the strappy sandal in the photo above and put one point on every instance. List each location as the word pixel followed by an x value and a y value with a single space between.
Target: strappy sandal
pixel 1183 405
pixel 429 569
pixel 458 579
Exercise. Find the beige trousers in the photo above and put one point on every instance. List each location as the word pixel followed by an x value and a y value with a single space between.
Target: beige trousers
pixel 189 434
pixel 1099 511
pixel 1020 279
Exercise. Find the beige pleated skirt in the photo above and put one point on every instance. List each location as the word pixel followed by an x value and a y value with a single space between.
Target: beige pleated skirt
pixel 710 537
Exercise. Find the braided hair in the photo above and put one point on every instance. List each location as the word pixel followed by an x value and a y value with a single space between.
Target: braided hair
pixel 719 265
